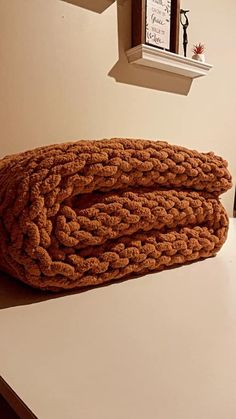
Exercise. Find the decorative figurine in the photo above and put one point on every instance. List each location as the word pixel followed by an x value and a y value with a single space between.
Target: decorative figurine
pixel 185 26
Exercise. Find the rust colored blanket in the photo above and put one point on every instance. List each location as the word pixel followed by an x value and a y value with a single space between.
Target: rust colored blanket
pixel 88 212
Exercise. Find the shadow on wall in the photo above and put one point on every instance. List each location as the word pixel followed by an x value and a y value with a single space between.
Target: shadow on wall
pixel 123 72
pixel 132 74
pixel 97 6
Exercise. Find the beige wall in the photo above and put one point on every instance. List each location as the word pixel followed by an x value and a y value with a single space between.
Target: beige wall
pixel 64 76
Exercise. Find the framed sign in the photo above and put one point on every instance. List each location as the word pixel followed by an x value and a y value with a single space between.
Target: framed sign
pixel 156 23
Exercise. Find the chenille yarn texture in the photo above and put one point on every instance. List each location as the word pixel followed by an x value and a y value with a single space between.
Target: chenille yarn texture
pixel 88 212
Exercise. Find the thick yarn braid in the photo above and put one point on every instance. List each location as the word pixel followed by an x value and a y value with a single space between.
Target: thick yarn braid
pixel 88 212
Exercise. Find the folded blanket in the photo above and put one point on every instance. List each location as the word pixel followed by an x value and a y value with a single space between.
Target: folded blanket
pixel 88 212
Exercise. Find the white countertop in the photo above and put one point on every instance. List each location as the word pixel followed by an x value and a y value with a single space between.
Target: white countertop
pixel 158 347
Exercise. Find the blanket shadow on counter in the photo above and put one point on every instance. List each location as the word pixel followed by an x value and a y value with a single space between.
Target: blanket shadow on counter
pixel 15 293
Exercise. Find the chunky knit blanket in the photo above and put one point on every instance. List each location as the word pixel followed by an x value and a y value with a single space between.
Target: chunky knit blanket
pixel 88 212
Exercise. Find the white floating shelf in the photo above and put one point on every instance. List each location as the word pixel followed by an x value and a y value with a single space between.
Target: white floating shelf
pixel 168 61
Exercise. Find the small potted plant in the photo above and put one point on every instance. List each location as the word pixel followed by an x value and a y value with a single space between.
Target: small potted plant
pixel 198 51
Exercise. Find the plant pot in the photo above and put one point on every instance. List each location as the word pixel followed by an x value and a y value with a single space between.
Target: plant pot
pixel 199 57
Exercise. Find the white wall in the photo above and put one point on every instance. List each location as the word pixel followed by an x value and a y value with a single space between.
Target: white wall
pixel 59 69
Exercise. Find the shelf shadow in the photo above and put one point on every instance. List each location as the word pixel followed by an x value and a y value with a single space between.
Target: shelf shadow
pixel 133 74
pixel 97 6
